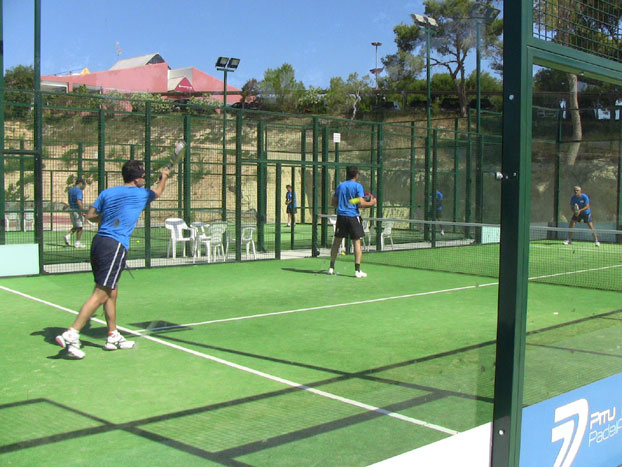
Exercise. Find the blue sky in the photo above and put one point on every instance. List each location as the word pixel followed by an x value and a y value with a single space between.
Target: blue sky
pixel 319 38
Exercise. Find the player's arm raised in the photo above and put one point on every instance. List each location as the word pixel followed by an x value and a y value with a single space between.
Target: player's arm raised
pixel 162 183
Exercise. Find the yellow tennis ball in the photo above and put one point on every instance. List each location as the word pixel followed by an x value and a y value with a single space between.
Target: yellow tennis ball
pixel 343 252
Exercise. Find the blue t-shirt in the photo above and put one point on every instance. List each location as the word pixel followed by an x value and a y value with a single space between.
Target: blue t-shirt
pixel 439 201
pixel 291 196
pixel 344 193
pixel 120 207
pixel 75 194
pixel 581 200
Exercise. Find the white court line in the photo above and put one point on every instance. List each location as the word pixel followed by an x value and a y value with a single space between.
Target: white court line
pixel 322 307
pixel 246 369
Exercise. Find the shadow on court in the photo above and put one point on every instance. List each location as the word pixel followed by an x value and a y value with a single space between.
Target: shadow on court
pixel 317 271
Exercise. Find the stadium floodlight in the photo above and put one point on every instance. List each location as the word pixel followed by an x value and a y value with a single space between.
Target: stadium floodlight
pixel 233 63
pixel 222 62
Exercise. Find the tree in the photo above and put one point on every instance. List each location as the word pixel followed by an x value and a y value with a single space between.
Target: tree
pixel 587 25
pixel 452 41
pixel 346 97
pixel 280 88
pixel 19 77
pixel 250 91
pixel 311 101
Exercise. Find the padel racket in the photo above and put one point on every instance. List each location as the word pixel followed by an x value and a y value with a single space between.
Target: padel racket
pixel 576 209
pixel 178 154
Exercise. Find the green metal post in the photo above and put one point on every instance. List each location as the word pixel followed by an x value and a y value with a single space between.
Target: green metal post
pixel 101 150
pixel 433 187
pixel 412 173
pixel 187 168
pixel 238 185
pixel 373 159
pixel 303 179
pixel 38 137
pixel 148 183
pixel 22 175
pixel 132 152
pixel 293 223
pixel 514 249
pixel 456 169
pixel 619 204
pixel 2 200
pixel 337 177
pixel 80 160
pixel 314 236
pixel 558 173
pixel 223 182
pixel 380 175
pixel 277 213
pixel 325 185
pixel 261 188
pixel 479 180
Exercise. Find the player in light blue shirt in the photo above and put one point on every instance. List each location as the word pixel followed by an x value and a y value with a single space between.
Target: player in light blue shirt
pixel 348 198
pixel 581 212
pixel 76 206
pixel 117 210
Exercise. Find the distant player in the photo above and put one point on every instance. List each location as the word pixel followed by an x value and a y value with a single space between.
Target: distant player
pixel 581 211
pixel 438 213
pixel 117 210
pixel 76 206
pixel 290 201
pixel 349 221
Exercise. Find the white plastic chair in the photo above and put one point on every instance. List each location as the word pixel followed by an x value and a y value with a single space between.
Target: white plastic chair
pixel 387 227
pixel 177 228
pixel 213 240
pixel 247 239
pixel 11 218
pixel 366 240
pixel 29 220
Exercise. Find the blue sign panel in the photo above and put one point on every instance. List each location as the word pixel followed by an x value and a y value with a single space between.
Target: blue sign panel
pixel 580 428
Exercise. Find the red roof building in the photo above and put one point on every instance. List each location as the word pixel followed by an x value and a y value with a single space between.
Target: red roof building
pixel 149 73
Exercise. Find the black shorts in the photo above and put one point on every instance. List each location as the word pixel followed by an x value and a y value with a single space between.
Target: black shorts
pixel 290 209
pixel 107 261
pixel 583 217
pixel 349 226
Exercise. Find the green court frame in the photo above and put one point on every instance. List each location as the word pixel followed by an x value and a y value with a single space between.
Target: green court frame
pixel 521 52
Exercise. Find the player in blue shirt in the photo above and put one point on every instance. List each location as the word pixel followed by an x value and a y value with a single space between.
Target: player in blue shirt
pixel 77 207
pixel 581 212
pixel 290 201
pixel 439 207
pixel 349 221
pixel 117 210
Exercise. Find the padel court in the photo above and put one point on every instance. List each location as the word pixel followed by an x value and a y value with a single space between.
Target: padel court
pixel 278 363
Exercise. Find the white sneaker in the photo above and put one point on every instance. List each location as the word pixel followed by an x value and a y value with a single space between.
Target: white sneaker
pixel 360 274
pixel 330 271
pixel 68 239
pixel 567 242
pixel 79 245
pixel 117 341
pixel 597 243
pixel 442 232
pixel 288 225
pixel 71 341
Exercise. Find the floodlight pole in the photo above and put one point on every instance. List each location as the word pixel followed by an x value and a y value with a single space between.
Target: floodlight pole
pixel 225 66
pixel 376 44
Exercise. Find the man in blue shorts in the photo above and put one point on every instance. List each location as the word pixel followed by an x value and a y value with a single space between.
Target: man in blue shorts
pixel 581 212
pixel 77 207
pixel 349 221
pixel 117 210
